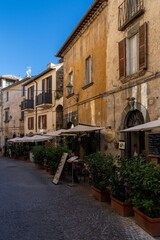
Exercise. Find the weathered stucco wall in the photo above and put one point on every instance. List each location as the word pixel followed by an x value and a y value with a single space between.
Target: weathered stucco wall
pixel 143 87
pixel 91 43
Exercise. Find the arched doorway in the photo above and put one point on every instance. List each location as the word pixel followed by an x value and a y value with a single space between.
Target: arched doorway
pixel 135 141
pixel 59 117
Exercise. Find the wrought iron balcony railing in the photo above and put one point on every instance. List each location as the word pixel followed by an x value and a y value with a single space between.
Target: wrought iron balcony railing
pixel 128 11
pixel 27 104
pixel 44 98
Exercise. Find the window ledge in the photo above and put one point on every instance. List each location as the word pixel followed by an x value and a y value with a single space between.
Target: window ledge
pixel 132 76
pixel 87 85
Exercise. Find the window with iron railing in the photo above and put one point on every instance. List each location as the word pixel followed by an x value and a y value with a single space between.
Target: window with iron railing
pixel 128 11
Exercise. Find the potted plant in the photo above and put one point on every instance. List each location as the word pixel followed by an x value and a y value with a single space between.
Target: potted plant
pixel 100 168
pixel 146 197
pixel 38 156
pixel 53 156
pixel 121 188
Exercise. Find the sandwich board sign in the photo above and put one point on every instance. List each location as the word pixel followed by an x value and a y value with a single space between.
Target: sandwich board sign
pixel 60 168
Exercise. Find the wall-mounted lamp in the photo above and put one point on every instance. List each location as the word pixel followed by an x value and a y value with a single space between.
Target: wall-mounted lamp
pixel 69 88
pixel 70 91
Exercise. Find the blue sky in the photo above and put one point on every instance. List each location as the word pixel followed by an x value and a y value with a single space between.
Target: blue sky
pixel 32 32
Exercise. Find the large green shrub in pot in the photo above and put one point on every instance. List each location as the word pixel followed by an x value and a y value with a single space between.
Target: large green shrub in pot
pixel 146 188
pixel 122 179
pixel 53 156
pixel 38 154
pixel 100 167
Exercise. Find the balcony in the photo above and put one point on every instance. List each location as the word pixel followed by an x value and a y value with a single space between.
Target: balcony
pixel 44 100
pixel 128 11
pixel 27 104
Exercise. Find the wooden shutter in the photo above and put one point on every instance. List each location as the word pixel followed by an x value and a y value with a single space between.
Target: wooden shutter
pixel 49 85
pixel 44 121
pixel 32 92
pixel 39 122
pixel 43 85
pixel 122 58
pixel 143 46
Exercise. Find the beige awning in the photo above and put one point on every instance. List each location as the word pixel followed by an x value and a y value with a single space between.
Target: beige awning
pixel 143 127
pixel 35 138
pixel 82 128
pixel 15 140
pixel 55 133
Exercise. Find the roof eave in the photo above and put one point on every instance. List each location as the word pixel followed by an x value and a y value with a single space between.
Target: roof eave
pixel 89 14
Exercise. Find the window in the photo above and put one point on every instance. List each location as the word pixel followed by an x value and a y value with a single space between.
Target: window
pixel 132 7
pixel 7 96
pixel 128 11
pixel 31 93
pixel 23 91
pixel 133 52
pixel 30 123
pixel 47 85
pixel 88 70
pixel 42 122
pixel 6 116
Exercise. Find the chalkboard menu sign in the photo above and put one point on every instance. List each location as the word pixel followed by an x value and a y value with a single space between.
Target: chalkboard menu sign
pixel 154 144
pixel 60 168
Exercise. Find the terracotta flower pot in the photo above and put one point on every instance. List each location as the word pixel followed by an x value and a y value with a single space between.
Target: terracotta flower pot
pixel 122 208
pixel 102 196
pixel 150 225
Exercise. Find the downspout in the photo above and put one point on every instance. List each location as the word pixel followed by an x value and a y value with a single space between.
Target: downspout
pixel 36 107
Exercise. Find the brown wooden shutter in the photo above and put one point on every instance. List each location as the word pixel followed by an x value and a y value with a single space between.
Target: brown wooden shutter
pixel 32 127
pixel 43 85
pixel 122 58
pixel 143 46
pixel 39 122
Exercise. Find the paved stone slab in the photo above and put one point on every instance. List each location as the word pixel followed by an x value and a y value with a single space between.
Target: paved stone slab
pixel 33 208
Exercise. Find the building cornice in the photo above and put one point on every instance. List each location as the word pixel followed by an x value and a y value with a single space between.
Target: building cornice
pixel 96 8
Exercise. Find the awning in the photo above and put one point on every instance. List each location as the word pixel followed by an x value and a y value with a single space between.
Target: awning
pixel 35 138
pixel 82 128
pixel 55 133
pixel 143 127
pixel 15 140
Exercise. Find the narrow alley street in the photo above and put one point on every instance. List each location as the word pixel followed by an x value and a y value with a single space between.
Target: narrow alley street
pixel 33 208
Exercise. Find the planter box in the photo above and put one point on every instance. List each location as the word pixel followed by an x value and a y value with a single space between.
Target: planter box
pixel 150 225
pixel 122 208
pixel 102 196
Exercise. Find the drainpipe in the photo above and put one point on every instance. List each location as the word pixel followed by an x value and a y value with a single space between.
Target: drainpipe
pixel 36 107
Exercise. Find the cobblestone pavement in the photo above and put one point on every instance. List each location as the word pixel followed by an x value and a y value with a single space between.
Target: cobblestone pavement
pixel 33 208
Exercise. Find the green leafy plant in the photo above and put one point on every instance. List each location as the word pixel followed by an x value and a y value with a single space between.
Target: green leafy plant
pixel 136 181
pixel 38 154
pixel 146 195
pixel 100 167
pixel 122 178
pixel 53 156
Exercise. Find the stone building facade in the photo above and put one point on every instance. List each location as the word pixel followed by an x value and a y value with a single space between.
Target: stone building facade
pixel 12 118
pixel 84 55
pixel 43 101
pixel 111 65
pixel 133 71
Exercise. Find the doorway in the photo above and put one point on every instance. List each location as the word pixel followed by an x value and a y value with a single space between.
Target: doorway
pixel 135 141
